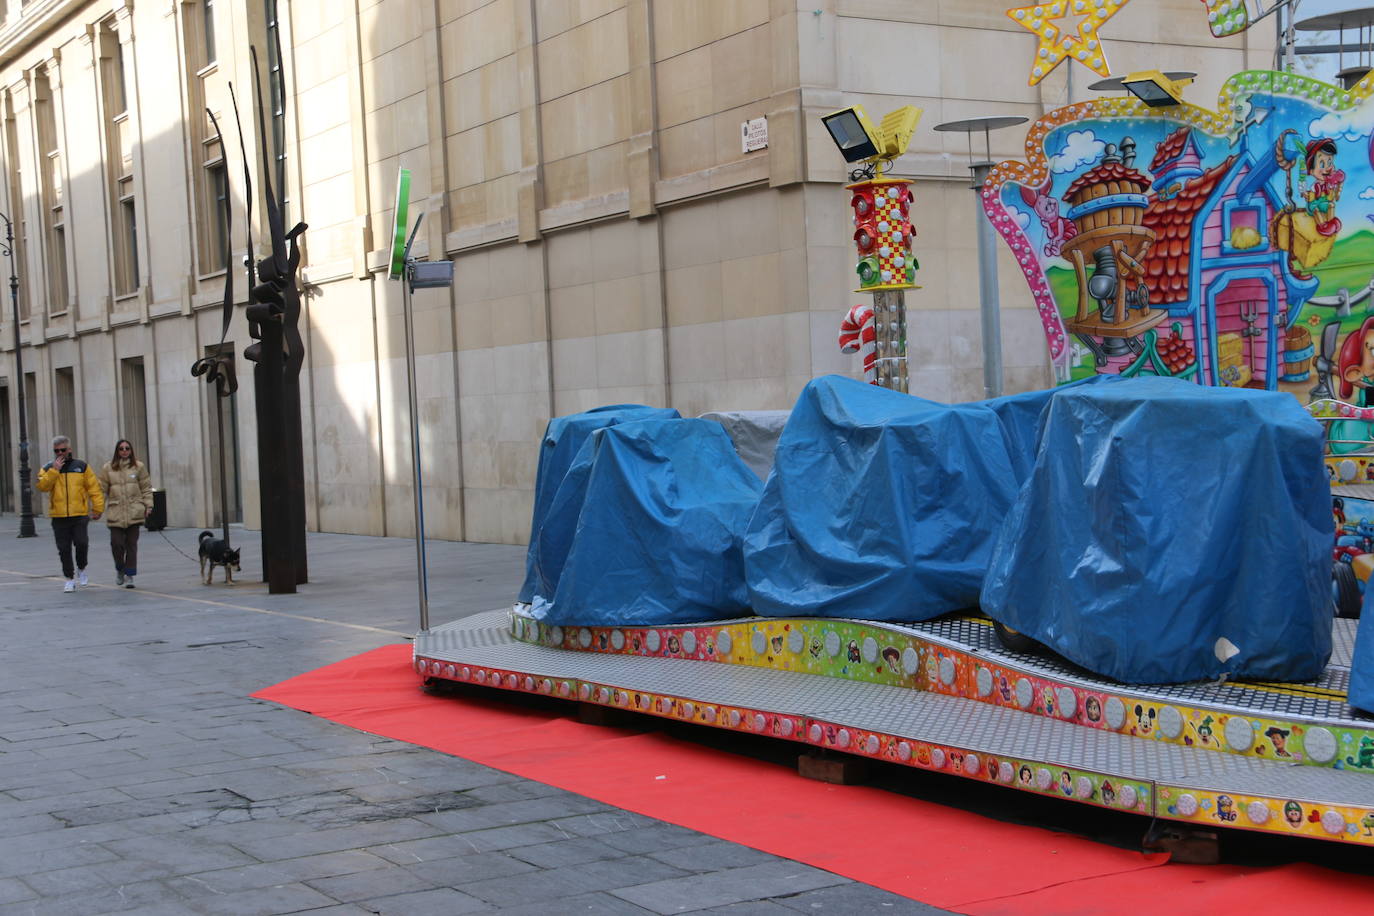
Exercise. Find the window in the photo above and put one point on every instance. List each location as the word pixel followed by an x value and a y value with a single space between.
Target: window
pixel 134 397
pixel 64 401
pixel 224 438
pixel 208 9
pixel 16 206
pixel 7 460
pixel 36 458
pixel 216 254
pixel 54 213
pixel 277 91
pixel 128 242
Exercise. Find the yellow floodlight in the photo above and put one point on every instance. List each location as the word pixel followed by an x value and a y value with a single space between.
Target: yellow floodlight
pixel 896 129
pixel 1154 88
pixel 859 141
pixel 853 134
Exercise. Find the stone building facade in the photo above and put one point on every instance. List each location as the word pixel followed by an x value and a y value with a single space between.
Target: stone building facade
pixel 581 163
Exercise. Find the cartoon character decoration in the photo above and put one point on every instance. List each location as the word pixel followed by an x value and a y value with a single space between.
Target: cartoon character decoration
pixel 1323 187
pixel 1058 228
pixel 1307 232
pixel 1199 259
pixel 1355 367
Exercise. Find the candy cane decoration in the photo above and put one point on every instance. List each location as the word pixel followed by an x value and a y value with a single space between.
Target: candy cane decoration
pixel 858 335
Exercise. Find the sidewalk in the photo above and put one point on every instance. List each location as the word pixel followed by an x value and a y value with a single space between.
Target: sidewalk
pixel 136 775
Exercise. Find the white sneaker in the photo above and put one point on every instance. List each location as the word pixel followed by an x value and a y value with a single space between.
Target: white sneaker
pixel 81 579
pixel 119 577
pixel 70 586
pixel 129 582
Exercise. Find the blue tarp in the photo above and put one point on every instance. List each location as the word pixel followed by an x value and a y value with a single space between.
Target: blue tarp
pixel 646 528
pixel 1172 532
pixel 880 506
pixel 1020 415
pixel 1361 694
pixel 562 439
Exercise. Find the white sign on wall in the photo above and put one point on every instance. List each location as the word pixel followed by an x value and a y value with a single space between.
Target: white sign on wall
pixel 754 134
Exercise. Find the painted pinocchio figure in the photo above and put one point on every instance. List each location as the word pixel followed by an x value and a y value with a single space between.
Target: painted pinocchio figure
pixel 1324 186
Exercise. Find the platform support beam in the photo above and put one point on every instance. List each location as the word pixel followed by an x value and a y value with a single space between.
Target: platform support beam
pixel 836 770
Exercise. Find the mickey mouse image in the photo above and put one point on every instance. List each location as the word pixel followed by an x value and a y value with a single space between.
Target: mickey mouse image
pixel 1145 719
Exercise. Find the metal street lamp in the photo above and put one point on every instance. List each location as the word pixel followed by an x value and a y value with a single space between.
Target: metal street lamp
pixel 25 489
pixel 990 307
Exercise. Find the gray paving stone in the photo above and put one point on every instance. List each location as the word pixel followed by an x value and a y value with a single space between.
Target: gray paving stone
pixel 309 843
pixel 62 881
pixel 751 908
pixel 713 856
pixel 552 884
pixel 378 883
pixel 656 837
pixel 736 885
pixel 593 904
pixel 140 897
pixel 567 852
pixel 439 902
pixel 12 889
pixel 853 897
pixel 516 812
pixel 283 898
pixel 454 871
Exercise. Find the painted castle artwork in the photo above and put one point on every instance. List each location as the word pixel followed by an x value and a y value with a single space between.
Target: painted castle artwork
pixel 1233 249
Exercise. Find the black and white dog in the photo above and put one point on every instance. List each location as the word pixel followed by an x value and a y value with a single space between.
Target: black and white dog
pixel 215 552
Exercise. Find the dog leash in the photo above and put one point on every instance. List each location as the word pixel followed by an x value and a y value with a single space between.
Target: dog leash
pixel 178 549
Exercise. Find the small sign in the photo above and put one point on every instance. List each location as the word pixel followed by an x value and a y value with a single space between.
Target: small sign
pixel 754 134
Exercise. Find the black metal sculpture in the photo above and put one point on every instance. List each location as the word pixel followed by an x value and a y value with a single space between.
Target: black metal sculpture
pixel 279 353
pixel 273 321
pixel 218 367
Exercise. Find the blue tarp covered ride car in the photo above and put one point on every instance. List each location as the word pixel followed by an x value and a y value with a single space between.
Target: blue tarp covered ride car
pixel 1361 693
pixel 1172 532
pixel 881 506
pixel 646 528
pixel 562 439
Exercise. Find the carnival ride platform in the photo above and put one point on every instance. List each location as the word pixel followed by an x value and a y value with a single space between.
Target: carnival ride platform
pixel 945 695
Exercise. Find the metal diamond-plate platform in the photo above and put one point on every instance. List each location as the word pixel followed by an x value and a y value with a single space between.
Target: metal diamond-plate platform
pixel 1286 699
pixel 922 729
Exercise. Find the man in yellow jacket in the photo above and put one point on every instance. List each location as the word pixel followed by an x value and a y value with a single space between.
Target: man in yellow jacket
pixel 74 498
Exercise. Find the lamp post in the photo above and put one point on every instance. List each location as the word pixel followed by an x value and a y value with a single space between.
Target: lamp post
pixel 990 306
pixel 25 488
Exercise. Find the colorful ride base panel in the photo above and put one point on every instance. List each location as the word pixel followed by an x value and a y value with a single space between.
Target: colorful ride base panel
pixel 962 658
pixel 1034 753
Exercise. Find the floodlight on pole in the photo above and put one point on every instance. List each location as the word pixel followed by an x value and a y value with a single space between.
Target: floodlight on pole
pixel 860 142
pixel 1154 88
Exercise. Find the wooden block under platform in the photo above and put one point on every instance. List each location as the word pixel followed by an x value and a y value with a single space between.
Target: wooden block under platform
pixel 840 771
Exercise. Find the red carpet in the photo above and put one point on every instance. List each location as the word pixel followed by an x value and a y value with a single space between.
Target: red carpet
pixel 941 856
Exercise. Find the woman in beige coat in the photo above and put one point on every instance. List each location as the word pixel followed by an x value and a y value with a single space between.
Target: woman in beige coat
pixel 128 500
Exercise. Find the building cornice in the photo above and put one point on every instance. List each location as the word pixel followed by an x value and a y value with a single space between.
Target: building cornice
pixel 33 24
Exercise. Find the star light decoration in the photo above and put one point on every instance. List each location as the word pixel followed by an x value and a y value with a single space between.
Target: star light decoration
pixel 1057 43
pixel 1226 17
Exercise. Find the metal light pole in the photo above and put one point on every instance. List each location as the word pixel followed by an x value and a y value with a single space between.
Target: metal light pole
pixel 989 302
pixel 415 275
pixel 26 529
